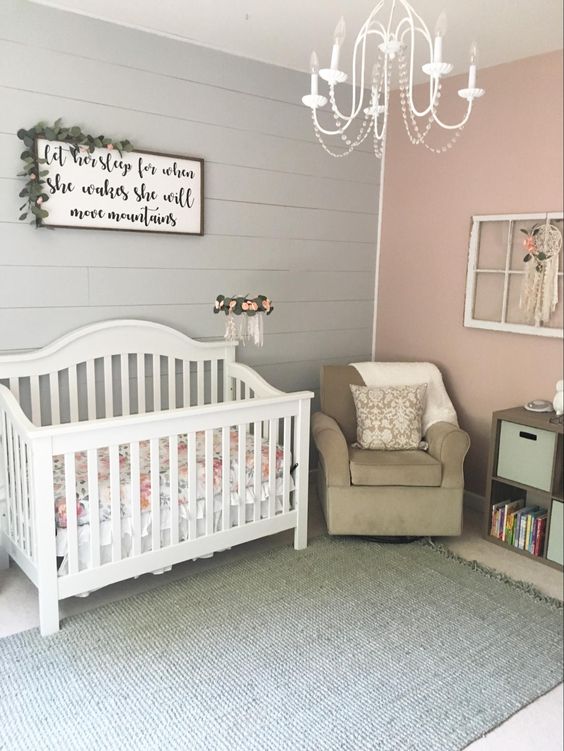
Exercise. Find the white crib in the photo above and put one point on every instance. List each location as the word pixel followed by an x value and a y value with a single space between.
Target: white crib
pixel 128 447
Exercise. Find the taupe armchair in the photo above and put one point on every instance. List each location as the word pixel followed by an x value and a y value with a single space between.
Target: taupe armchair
pixel 384 493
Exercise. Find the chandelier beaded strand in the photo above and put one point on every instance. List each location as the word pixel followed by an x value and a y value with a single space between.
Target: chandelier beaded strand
pixel 395 27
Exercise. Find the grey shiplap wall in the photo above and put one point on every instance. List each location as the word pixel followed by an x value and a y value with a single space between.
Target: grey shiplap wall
pixel 282 217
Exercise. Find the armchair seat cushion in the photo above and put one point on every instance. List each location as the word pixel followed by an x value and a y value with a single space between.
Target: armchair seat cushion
pixel 414 468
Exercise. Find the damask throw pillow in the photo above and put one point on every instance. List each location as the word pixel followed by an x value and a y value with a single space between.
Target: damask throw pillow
pixel 389 417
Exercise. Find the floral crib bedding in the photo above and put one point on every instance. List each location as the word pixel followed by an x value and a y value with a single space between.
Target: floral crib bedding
pixel 83 500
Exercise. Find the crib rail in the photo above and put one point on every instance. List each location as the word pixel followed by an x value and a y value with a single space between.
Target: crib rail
pixel 116 368
pixel 232 473
pixel 15 468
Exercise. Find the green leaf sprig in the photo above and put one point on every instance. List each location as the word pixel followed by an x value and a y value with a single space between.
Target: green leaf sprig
pixel 34 189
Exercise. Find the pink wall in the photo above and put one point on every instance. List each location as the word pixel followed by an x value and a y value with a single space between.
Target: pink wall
pixel 508 160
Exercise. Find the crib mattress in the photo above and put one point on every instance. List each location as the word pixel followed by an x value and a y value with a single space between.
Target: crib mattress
pixel 104 498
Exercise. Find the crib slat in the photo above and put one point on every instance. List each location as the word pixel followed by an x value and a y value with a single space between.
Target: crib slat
pixel 15 387
pixel 214 392
pixel 192 487
pixel 18 490
pixel 173 477
pixel 30 505
pixel 135 498
pixel 186 383
pixel 35 400
pixel 209 482
pixel 73 393
pixel 242 466
pixel 200 382
pixel 273 433
pixel 54 398
pixel 226 478
pixel 156 383
pixel 257 464
pixel 93 495
pixel 115 502
pixel 72 519
pixel 141 383
pixel 155 496
pixel 8 474
pixel 124 376
pixel 171 383
pixel 12 484
pixel 4 464
pixel 287 465
pixel 108 387
pixel 91 389
pixel 25 495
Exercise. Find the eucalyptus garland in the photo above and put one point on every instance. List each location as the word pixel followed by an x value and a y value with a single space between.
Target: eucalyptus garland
pixel 239 305
pixel 34 190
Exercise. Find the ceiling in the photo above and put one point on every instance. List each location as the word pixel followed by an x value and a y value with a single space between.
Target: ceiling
pixel 283 32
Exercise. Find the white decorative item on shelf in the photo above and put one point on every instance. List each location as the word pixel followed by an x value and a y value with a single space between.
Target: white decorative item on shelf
pixel 558 402
pixel 394 26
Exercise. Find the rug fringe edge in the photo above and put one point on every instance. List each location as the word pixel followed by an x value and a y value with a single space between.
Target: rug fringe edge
pixel 493 573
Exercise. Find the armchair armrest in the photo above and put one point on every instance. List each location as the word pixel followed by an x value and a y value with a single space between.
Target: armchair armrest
pixel 449 445
pixel 333 450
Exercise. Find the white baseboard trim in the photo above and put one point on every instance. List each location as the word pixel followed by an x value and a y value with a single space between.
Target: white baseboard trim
pixel 474 501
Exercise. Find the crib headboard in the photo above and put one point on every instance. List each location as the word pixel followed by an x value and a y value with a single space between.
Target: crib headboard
pixel 117 367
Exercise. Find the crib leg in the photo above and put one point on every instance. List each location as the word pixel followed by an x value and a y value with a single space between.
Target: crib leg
pixel 48 613
pixel 302 476
pixel 4 558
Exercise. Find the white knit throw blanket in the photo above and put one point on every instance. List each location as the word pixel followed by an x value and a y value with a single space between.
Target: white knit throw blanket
pixel 438 406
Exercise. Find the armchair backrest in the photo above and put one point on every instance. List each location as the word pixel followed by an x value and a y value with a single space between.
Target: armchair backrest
pixel 336 396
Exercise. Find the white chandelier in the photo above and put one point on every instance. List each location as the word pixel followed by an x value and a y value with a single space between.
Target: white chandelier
pixel 395 33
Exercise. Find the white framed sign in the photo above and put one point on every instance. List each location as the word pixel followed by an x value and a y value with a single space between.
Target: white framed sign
pixel 138 191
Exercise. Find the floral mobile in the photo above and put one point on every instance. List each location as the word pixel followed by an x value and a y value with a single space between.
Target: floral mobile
pixel 539 292
pixel 244 322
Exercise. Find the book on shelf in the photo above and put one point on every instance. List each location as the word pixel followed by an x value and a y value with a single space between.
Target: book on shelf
pixel 503 515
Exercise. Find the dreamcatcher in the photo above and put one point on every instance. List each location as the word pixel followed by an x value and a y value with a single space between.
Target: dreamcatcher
pixel 539 291
pixel 245 317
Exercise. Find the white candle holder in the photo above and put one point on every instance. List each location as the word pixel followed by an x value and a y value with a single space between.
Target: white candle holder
pixel 470 94
pixel 333 76
pixel 314 100
pixel 436 70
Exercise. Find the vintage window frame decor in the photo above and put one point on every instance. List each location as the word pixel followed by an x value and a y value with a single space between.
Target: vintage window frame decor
pixel 473 271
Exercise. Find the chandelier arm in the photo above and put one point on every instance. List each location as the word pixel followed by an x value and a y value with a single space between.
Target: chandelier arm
pixel 337 132
pixel 461 124
pixel 362 37
pixel 433 82
pixel 380 135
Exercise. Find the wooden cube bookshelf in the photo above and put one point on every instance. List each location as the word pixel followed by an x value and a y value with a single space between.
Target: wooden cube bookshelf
pixel 506 488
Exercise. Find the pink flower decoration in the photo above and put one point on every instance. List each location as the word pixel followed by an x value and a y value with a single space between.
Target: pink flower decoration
pixel 39 201
pixel 232 304
pixel 254 306
pixel 33 177
pixel 110 146
pixel 245 306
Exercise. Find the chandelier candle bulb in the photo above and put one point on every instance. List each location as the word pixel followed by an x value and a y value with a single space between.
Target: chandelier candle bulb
pixel 472 69
pixel 339 37
pixel 440 31
pixel 314 68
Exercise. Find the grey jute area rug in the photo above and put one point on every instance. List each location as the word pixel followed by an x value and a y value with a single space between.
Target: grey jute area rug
pixel 346 645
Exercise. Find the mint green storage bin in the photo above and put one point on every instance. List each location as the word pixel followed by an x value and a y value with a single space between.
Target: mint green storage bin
pixel 555 547
pixel 526 455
